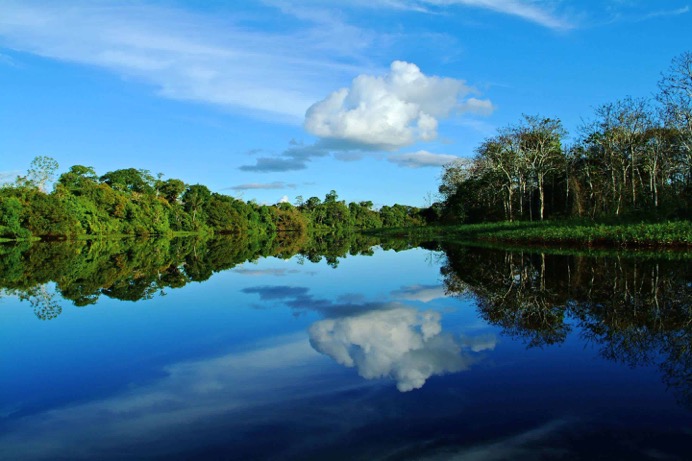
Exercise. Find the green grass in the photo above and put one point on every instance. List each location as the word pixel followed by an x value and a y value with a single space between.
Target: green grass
pixel 559 233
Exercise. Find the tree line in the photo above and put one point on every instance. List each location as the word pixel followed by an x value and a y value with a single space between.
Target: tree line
pixel 133 202
pixel 634 159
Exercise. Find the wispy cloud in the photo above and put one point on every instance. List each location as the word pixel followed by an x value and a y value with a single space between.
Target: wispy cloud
pixel 295 157
pixel 531 443
pixel 634 12
pixel 228 60
pixel 275 164
pixel 186 394
pixel 422 159
pixel 8 176
pixel 277 292
pixel 266 186
pixel 422 293
pixel 266 272
pixel 663 13
pixel 539 12
pixel 7 60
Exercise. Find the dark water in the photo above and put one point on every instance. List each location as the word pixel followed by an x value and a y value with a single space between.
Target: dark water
pixel 344 350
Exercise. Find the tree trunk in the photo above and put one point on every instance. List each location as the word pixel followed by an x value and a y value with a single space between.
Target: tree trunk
pixel 541 196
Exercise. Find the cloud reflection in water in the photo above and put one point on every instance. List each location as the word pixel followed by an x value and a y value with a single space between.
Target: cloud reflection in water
pixel 401 343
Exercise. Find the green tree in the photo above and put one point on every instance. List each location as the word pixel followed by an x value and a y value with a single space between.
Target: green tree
pixel 541 145
pixel 195 198
pixel 130 180
pixel 222 215
pixel 78 178
pixel 11 218
pixel 171 189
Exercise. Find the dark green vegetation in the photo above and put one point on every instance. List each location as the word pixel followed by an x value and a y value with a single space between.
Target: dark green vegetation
pixel 133 202
pixel 636 310
pixel 632 162
pixel 573 233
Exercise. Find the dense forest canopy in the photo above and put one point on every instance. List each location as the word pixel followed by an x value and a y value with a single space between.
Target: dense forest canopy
pixel 133 202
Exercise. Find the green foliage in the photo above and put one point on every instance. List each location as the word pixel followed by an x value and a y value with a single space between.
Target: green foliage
pixel 11 211
pixel 401 216
pixel 195 199
pixel 289 219
pixel 78 178
pixel 363 216
pixel 577 234
pixel 222 215
pixel 131 202
pixel 171 189
pixel 130 180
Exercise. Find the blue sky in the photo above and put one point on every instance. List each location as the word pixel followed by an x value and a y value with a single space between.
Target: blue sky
pixel 270 99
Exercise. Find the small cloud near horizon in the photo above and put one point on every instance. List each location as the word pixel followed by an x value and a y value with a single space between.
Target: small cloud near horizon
pixel 422 159
pixel 263 186
pixel 7 176
pixel 295 157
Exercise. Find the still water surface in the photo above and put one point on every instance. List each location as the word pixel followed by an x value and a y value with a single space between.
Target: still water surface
pixel 149 350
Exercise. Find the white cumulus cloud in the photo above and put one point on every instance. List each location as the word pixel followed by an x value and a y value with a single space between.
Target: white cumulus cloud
pixel 390 111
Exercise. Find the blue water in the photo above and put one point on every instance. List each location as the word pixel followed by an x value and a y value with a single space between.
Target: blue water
pixel 287 359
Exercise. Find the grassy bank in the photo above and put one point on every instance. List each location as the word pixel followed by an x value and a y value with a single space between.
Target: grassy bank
pixel 559 233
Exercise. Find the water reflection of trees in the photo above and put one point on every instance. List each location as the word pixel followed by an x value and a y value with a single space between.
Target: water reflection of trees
pixel 637 310
pixel 138 269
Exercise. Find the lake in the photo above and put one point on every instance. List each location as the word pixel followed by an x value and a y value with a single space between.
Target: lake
pixel 351 349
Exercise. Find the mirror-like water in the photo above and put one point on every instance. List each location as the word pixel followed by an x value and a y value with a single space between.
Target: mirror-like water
pixel 218 349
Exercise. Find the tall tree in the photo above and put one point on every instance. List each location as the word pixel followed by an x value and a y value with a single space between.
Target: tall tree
pixel 675 96
pixel 130 180
pixel 42 171
pixel 170 189
pixel 194 200
pixel 541 146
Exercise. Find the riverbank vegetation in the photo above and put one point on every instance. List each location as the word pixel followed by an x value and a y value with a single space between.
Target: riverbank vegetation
pixel 625 180
pixel 565 234
pixel 133 202
pixel 632 161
